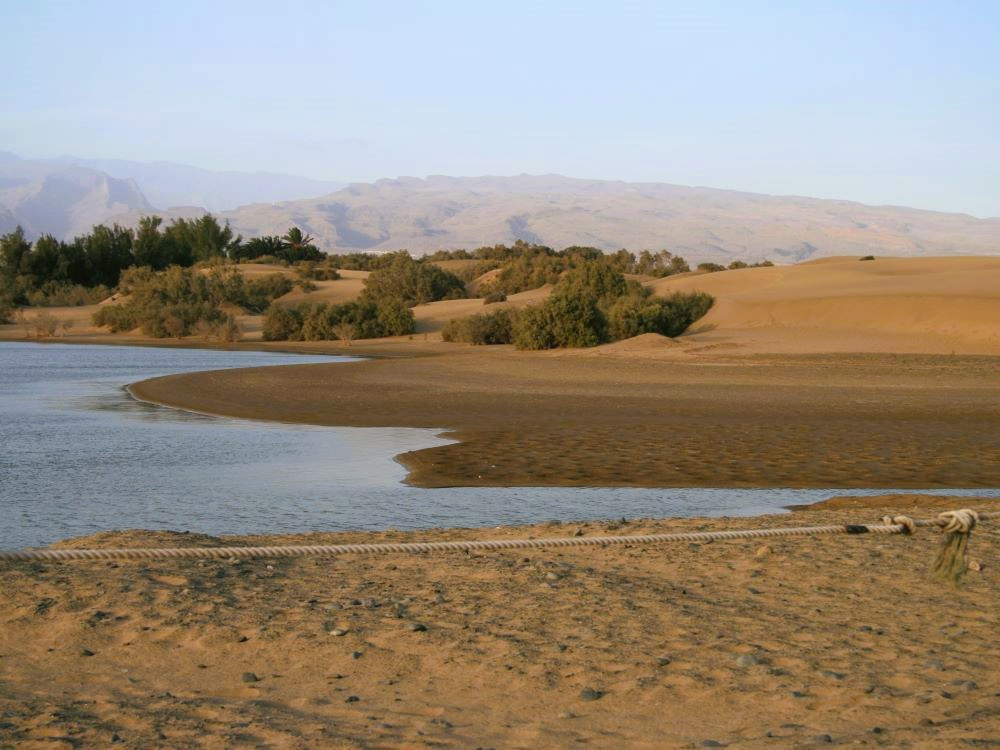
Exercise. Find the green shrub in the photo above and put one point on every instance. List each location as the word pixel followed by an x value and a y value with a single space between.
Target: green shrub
pixel 309 270
pixel 711 267
pixel 310 321
pixel 399 277
pixel 282 323
pixel 7 309
pixel 868 257
pixel 494 297
pixel 177 301
pixel 55 294
pixel 670 316
pixel 495 327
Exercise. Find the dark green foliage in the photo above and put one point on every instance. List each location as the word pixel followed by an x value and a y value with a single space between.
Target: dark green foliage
pixel 529 271
pixel 7 308
pixel 55 272
pixel 354 261
pixel 293 247
pixel 176 301
pixel 494 297
pixel 669 316
pixel 316 271
pixel 711 267
pixel 298 246
pixel 203 238
pixel 321 322
pixel 495 327
pixel 282 323
pixel 261 249
pixel 399 277
pixel 737 264
pixel 55 294
pixel 868 257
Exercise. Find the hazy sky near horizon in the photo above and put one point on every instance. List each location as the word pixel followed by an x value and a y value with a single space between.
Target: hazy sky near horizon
pixel 881 102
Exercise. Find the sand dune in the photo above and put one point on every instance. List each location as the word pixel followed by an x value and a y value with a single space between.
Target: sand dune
pixel 931 305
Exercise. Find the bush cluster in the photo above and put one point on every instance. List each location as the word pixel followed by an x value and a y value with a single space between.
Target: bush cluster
pixel 180 301
pixel 363 319
pixel 399 277
pixel 590 305
pixel 52 272
pixel 495 327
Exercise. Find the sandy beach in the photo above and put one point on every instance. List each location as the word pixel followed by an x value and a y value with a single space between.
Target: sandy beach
pixel 796 642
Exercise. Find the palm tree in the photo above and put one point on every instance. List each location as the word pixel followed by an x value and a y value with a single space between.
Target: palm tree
pixel 294 239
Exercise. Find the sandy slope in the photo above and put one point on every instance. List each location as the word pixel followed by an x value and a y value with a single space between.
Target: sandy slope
pixel 843 304
pixel 795 643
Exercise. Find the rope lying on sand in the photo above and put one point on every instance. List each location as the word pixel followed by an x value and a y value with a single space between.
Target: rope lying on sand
pixel 951 564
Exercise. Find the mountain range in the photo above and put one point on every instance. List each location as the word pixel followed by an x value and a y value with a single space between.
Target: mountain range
pixel 703 224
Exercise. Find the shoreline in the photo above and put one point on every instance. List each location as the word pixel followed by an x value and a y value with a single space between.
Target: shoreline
pixel 786 641
pixel 552 419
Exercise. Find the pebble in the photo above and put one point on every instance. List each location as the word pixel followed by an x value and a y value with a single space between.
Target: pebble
pixel 351 699
pixel 357 654
pixel 822 738
pixel 663 661
pixel 552 576
pixel 338 631
pixel 589 694
pixel 86 652
pixel 747 660
pixel 418 627
pixel 250 677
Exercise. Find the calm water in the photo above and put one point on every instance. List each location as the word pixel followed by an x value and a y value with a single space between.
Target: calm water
pixel 79 455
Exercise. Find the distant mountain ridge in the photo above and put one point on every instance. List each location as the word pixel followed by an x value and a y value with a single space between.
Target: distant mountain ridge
pixel 168 185
pixel 700 223
pixel 67 195
pixel 62 200
pixel 65 198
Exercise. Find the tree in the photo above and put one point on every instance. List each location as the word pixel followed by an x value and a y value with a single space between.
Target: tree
pixel 14 248
pixel 299 246
pixel 108 252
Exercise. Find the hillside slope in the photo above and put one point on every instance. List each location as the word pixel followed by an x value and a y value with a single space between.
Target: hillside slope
pixel 699 223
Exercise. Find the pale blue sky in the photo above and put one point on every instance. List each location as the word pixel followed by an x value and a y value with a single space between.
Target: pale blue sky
pixel 882 102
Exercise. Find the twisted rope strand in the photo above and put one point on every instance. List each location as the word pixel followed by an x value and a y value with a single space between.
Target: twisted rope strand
pixel 959 521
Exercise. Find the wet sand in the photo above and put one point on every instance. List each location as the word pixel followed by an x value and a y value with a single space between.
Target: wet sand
pixel 622 419
pixel 796 642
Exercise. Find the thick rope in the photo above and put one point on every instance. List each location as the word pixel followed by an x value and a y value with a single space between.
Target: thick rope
pixel 952 560
pixel 898 526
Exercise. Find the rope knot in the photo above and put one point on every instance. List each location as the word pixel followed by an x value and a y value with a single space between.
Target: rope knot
pixel 953 559
pixel 961 521
pixel 908 524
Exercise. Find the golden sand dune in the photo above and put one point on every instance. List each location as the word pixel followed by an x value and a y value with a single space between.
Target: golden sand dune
pixel 345 289
pixel 931 305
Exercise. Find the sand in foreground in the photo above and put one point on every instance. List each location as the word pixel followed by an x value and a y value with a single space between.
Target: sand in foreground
pixel 799 641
